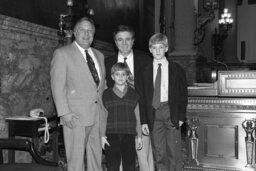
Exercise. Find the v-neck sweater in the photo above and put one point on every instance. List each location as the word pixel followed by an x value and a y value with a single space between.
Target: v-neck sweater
pixel 121 117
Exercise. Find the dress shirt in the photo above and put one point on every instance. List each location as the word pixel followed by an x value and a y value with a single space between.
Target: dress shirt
pixel 129 61
pixel 164 77
pixel 82 50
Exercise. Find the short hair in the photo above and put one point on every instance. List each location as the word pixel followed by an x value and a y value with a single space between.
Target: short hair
pixel 119 66
pixel 158 38
pixel 122 28
pixel 82 20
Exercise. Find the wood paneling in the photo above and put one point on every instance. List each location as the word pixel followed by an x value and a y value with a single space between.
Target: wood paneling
pixel 43 12
pixel 108 14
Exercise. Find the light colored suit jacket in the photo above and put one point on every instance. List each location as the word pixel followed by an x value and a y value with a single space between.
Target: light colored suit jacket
pixel 73 87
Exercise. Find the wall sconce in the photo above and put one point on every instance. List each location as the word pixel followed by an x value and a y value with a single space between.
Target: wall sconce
pixel 65 24
pixel 225 24
pixel 67 20
pixel 226 21
pixel 210 6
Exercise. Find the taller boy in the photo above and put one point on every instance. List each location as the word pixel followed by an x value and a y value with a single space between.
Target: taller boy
pixel 164 101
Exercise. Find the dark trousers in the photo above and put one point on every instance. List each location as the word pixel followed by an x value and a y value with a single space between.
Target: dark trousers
pixel 166 141
pixel 122 148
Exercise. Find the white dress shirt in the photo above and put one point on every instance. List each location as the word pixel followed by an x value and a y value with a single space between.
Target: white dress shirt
pixel 129 61
pixel 164 77
pixel 82 50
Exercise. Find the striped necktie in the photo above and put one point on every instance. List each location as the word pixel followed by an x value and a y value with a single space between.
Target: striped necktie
pixel 131 78
pixel 157 90
pixel 92 68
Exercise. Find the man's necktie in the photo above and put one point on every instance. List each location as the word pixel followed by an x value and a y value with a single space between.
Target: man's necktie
pixel 131 78
pixel 92 68
pixel 157 91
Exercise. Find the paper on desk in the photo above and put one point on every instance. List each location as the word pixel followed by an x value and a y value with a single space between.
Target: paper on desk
pixel 28 118
pixel 199 86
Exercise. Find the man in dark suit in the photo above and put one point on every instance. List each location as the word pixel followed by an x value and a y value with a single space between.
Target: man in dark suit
pixel 77 82
pixel 136 60
pixel 124 38
pixel 164 112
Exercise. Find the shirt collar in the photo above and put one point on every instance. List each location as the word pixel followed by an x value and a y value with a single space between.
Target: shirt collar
pixel 130 55
pixel 161 61
pixel 82 49
pixel 118 92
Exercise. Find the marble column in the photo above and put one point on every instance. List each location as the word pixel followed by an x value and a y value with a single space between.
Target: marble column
pixel 183 50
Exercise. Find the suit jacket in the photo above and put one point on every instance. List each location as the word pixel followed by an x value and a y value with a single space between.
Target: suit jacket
pixel 73 87
pixel 141 60
pixel 177 98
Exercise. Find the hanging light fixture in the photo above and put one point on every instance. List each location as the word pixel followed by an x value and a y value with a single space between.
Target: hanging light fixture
pixel 226 21
pixel 65 24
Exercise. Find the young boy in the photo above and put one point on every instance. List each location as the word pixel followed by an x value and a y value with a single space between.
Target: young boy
pixel 123 121
pixel 164 104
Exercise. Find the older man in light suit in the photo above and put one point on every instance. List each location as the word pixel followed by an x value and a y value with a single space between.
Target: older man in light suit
pixel 77 82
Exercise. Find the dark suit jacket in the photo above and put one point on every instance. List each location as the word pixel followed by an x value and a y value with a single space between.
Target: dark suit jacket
pixel 177 95
pixel 141 60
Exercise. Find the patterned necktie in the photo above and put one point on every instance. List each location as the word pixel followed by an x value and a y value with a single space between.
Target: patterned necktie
pixel 130 79
pixel 92 68
pixel 157 91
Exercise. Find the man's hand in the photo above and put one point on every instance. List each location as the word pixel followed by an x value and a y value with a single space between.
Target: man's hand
pixel 69 120
pixel 145 129
pixel 103 142
pixel 139 143
pixel 180 123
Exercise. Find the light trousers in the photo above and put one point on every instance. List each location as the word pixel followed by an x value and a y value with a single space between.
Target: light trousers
pixel 145 155
pixel 81 139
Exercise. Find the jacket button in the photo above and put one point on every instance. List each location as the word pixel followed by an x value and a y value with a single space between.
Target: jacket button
pixel 96 102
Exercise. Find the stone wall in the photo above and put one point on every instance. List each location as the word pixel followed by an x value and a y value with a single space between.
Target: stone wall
pixel 25 54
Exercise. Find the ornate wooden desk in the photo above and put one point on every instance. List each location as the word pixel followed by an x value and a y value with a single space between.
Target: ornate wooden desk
pixel 222 122
pixel 30 128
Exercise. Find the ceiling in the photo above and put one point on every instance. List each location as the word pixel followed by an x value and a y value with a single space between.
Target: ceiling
pixel 108 14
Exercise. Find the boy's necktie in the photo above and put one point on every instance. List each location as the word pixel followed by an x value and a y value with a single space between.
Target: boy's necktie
pixel 92 68
pixel 130 79
pixel 157 90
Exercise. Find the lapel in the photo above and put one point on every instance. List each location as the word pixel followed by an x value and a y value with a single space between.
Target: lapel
pixel 101 65
pixel 172 77
pixel 148 77
pixel 78 56
pixel 135 63
pixel 80 61
pixel 114 59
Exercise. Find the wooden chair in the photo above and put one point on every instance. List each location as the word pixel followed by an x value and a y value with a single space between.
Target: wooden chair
pixel 39 164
